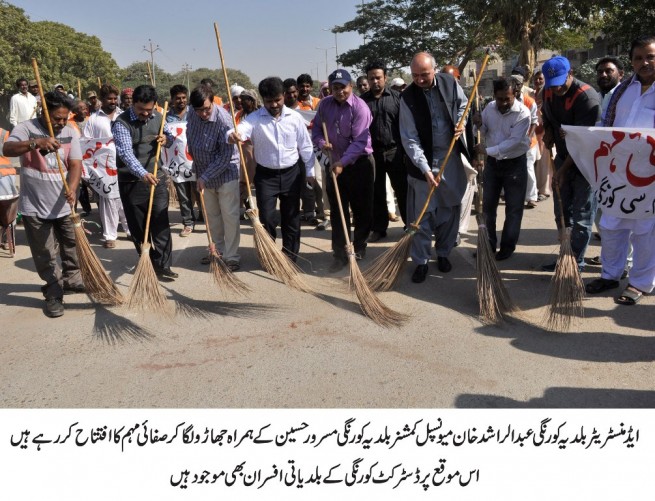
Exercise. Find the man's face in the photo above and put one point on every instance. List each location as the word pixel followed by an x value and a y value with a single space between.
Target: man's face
pixel 59 118
pixel 33 89
pixel 341 92
pixel 303 90
pixel 291 96
pixel 126 101
pixel 205 111
pixel 560 90
pixel 110 103
pixel 423 73
pixel 643 63
pixel 539 81
pixel 93 102
pixel 608 76
pixel 180 102
pixel 362 85
pixel 274 105
pixel 81 111
pixel 236 103
pixel 248 104
pixel 504 99
pixel 376 81
pixel 22 87
pixel 61 90
pixel 144 110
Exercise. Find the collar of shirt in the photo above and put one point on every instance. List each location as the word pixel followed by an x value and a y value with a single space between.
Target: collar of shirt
pixel 172 115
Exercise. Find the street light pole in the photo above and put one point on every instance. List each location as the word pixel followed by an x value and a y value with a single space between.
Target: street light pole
pixel 336 49
pixel 326 58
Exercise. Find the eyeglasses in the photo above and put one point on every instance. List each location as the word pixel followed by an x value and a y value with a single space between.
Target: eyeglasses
pixel 204 110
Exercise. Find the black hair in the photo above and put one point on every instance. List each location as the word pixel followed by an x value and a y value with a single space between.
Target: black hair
pixel 107 89
pixel 504 83
pixel 361 78
pixel 376 65
pixel 20 80
pixel 610 59
pixel 200 94
pixel 178 89
pixel 289 82
pixel 207 81
pixel 642 41
pixel 144 94
pixel 55 100
pixel 271 87
pixel 305 78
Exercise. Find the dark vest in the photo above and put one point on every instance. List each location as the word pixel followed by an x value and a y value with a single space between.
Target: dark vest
pixel 417 103
pixel 144 145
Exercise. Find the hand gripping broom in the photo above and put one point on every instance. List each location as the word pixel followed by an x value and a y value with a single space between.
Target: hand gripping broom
pixel 385 270
pixel 96 281
pixel 270 257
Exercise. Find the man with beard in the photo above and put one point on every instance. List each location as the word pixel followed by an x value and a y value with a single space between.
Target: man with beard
pixel 387 148
pixel 568 101
pixel 126 98
pixel 609 73
pixel 99 127
pixel 179 112
pixel 290 93
pixel 43 203
pixel 305 100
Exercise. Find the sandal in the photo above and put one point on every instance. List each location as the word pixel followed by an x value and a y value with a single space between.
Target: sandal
pixel 629 296
pixel 600 285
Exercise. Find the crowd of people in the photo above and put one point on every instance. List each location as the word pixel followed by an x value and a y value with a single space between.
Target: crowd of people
pixel 383 140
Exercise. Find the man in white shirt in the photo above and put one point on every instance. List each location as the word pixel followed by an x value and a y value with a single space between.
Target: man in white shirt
pixel 280 139
pixel 99 126
pixel 504 124
pixel 632 105
pixel 22 105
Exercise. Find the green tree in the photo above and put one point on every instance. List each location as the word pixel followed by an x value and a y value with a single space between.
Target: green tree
pixel 625 20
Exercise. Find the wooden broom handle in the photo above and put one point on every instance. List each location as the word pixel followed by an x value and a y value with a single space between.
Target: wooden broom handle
pixel 454 140
pixel 234 119
pixel 154 173
pixel 212 248
pixel 46 115
pixel 346 229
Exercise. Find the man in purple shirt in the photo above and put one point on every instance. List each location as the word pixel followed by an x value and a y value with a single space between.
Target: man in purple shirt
pixel 347 118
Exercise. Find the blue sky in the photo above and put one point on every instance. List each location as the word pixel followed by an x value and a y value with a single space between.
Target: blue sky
pixel 259 37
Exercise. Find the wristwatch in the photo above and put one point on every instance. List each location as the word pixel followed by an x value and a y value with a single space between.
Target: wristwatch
pixel 32 145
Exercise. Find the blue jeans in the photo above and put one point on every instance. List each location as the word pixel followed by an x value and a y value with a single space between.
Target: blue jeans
pixel 512 176
pixel 579 206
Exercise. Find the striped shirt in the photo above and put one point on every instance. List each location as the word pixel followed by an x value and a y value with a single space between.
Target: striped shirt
pixel 123 142
pixel 214 161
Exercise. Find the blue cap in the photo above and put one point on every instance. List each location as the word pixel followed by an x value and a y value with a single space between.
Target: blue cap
pixel 339 76
pixel 556 71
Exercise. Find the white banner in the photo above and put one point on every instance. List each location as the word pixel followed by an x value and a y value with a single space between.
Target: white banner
pixel 99 165
pixel 176 159
pixel 619 164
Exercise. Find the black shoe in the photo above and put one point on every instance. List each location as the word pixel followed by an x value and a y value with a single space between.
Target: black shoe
pixel 74 289
pixel 166 273
pixel 54 307
pixel 360 254
pixel 443 263
pixel 503 254
pixel 337 265
pixel 420 273
pixel 376 236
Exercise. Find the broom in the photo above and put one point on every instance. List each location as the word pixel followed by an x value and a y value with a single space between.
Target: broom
pixel 493 298
pixel 96 281
pixel 222 275
pixel 145 291
pixel 270 257
pixel 372 307
pixel 566 286
pixel 385 270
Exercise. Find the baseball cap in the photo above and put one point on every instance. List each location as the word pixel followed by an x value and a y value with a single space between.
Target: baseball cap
pixel 91 94
pixel 339 76
pixel 556 71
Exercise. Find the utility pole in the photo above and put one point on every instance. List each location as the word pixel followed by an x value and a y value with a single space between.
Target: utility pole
pixel 152 51
pixel 336 50
pixel 326 49
pixel 186 69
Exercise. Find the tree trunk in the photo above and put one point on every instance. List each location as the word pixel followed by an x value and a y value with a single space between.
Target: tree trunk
pixel 528 54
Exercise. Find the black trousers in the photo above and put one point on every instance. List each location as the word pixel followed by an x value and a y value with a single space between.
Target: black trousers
pixel 285 185
pixel 135 198
pixel 356 190
pixel 388 162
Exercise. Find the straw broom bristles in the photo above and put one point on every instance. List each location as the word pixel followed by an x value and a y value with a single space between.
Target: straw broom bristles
pixel 97 283
pixel 566 286
pixel 270 257
pixel 493 299
pixel 145 292
pixel 222 275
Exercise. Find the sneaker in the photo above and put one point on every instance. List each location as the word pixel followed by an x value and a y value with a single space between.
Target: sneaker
pixel 323 225
pixel 186 231
pixel 420 273
pixel 74 289
pixel 54 307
